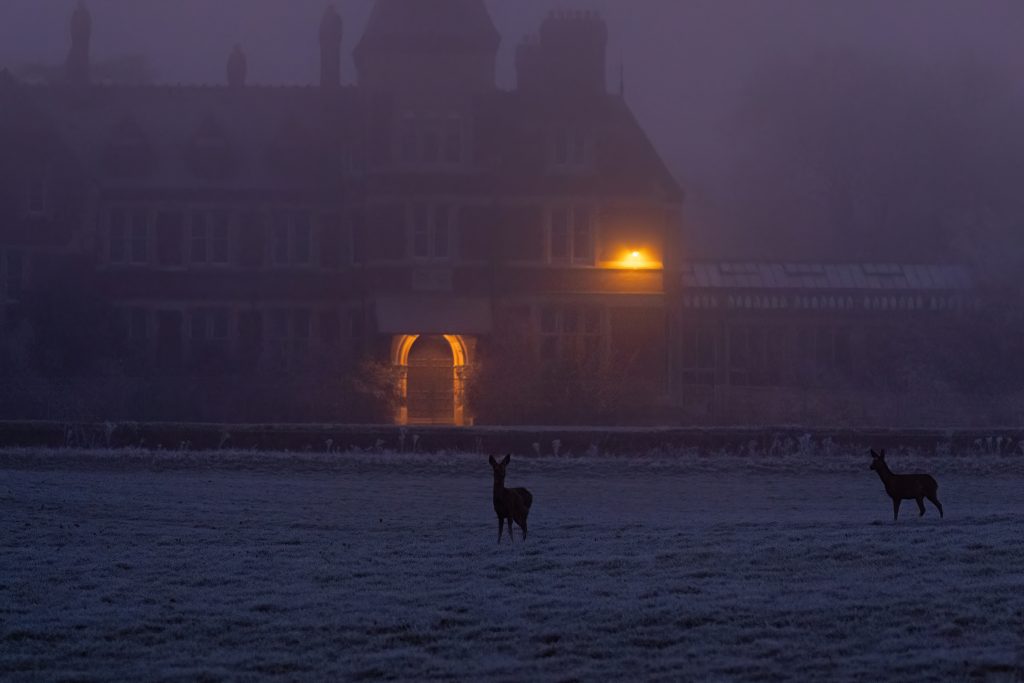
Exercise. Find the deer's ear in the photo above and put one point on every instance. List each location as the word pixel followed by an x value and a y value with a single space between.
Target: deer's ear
pixel 507 459
pixel 882 455
pixel 873 454
pixel 490 458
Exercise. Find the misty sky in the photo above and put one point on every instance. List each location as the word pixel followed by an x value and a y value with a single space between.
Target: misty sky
pixel 688 63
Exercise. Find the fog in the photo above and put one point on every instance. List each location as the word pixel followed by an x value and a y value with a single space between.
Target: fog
pixel 718 84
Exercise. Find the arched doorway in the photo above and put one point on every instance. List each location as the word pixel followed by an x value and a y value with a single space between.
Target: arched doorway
pixel 431 390
pixel 432 377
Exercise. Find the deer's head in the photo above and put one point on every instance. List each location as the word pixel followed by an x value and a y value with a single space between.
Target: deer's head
pixel 499 468
pixel 877 460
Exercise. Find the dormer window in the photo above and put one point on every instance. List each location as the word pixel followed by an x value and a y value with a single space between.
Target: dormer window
pixel 571 148
pixel 128 153
pixel 209 152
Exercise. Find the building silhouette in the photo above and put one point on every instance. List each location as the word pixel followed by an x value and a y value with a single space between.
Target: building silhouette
pixel 470 252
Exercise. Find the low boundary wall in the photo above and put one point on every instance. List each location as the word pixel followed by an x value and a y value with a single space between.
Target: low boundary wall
pixel 566 441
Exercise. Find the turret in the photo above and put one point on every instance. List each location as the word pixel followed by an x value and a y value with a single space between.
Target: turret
pixel 570 54
pixel 238 68
pixel 331 33
pixel 78 68
pixel 439 46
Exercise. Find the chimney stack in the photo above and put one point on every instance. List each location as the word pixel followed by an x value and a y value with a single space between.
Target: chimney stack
pixel 238 68
pixel 331 33
pixel 78 68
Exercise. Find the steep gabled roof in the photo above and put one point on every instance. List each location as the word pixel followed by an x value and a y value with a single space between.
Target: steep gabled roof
pixel 249 121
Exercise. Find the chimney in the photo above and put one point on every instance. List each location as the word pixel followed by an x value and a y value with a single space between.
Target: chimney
pixel 238 68
pixel 331 32
pixel 570 56
pixel 78 69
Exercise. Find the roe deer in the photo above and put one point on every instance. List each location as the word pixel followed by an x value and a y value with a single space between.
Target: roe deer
pixel 902 487
pixel 511 504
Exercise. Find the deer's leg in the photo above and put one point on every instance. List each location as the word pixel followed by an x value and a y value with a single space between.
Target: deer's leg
pixel 501 524
pixel 510 529
pixel 935 501
pixel 895 509
pixel 920 506
pixel 522 525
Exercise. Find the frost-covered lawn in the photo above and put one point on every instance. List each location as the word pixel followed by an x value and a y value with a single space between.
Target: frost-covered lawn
pixel 240 566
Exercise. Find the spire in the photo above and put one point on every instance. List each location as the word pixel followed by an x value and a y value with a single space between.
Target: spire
pixel 78 70
pixel 238 68
pixel 331 33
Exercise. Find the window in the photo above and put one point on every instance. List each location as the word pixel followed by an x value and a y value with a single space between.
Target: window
pixel 570 148
pixel 169 238
pixel 118 236
pixel 431 139
pixel 209 331
pixel 139 240
pixel 754 357
pixel 13 264
pixel 211 238
pixel 826 350
pixel 698 356
pixel 431 231
pixel 138 325
pixel 37 197
pixel 289 336
pixel 571 334
pixel 407 140
pixel 571 235
pixel 292 238
pixel 335 239
pixel 209 325
pixel 135 327
pixel 128 236
pixel 453 141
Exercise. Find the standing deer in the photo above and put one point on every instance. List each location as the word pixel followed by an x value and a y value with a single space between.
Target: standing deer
pixel 511 504
pixel 902 487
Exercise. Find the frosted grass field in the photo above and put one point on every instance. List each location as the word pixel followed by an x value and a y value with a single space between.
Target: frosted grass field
pixel 146 566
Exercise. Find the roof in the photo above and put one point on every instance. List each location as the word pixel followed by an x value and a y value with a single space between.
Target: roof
pixel 250 122
pixel 840 276
pixel 159 124
pixel 405 24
